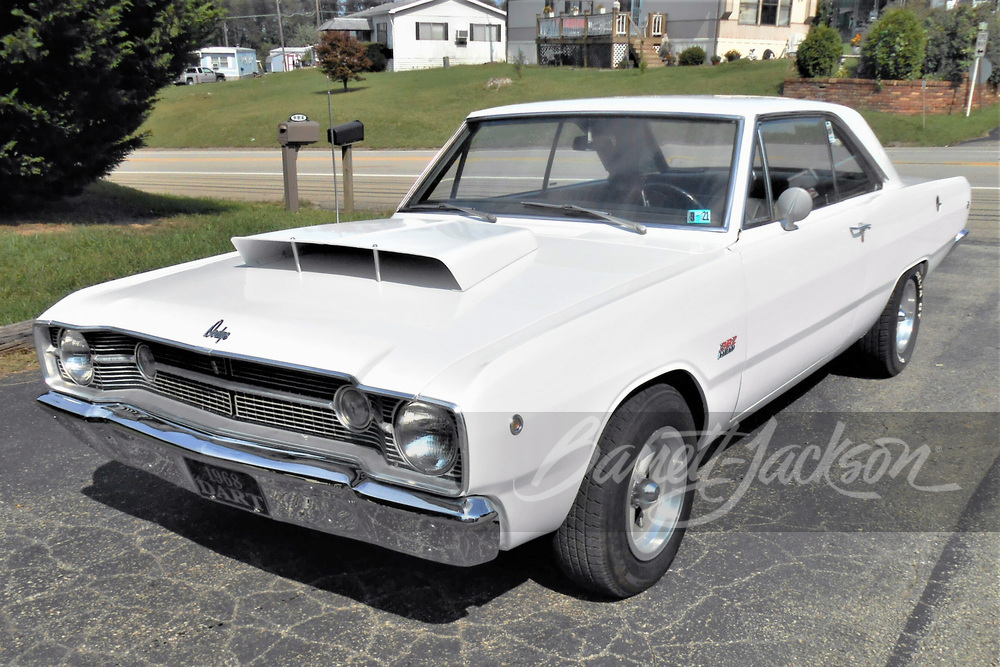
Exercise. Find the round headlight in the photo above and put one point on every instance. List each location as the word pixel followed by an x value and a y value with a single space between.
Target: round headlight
pixel 427 437
pixel 74 353
pixel 145 361
pixel 353 408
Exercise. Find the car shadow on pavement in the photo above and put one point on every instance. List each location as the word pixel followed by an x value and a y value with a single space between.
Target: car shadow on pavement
pixel 396 583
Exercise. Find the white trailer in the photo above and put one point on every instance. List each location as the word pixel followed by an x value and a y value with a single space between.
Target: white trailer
pixel 233 61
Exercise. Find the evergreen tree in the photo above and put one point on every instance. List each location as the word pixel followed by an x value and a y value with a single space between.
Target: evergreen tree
pixel 80 76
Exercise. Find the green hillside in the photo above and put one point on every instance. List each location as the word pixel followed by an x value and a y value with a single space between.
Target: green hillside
pixel 418 109
pixel 421 109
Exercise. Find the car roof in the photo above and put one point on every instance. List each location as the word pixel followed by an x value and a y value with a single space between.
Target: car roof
pixel 715 105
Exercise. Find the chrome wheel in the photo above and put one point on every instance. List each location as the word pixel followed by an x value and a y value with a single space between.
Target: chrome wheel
pixel 906 318
pixel 656 493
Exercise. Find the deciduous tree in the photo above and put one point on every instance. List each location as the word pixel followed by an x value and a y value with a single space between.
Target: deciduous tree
pixel 341 57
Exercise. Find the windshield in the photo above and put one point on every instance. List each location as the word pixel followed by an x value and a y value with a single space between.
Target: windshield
pixel 666 170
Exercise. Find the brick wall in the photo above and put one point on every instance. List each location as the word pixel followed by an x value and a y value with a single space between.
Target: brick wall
pixel 905 98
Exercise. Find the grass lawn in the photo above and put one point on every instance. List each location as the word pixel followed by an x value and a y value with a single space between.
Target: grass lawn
pixel 111 231
pixel 421 109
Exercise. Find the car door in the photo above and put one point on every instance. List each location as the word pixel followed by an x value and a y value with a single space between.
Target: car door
pixel 803 284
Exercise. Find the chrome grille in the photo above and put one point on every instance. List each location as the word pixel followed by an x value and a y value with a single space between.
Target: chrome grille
pixel 199 394
pixel 302 418
pixel 286 380
pixel 215 392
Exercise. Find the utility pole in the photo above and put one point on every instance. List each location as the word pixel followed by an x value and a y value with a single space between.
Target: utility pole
pixel 319 18
pixel 281 37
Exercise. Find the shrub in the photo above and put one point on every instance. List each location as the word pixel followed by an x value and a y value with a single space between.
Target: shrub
pixel 693 55
pixel 518 62
pixel 378 54
pixel 951 42
pixel 716 59
pixel 819 52
pixel 79 79
pixel 733 54
pixel 895 47
pixel 993 45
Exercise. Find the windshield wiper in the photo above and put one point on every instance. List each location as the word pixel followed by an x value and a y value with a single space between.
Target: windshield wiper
pixel 442 206
pixel 636 227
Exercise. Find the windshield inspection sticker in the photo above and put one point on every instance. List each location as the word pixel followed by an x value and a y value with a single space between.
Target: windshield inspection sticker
pixel 699 216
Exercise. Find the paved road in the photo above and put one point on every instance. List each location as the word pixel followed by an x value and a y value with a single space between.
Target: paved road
pixel 384 177
pixel 103 564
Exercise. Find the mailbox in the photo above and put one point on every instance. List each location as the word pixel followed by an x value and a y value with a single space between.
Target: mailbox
pixel 297 133
pixel 346 134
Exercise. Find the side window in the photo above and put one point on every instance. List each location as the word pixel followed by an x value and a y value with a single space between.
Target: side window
pixel 799 156
pixel 758 208
pixel 852 179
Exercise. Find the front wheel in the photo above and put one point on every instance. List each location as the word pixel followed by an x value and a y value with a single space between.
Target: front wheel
pixel 888 345
pixel 628 519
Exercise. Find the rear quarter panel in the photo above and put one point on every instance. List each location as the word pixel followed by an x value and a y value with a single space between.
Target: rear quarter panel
pixel 910 225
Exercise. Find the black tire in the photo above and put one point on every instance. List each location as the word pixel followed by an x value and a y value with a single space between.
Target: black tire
pixel 596 546
pixel 190 82
pixel 888 346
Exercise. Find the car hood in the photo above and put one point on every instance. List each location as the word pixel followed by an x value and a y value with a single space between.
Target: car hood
pixel 310 297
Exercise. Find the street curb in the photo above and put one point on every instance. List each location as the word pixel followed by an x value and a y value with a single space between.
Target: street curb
pixel 16 337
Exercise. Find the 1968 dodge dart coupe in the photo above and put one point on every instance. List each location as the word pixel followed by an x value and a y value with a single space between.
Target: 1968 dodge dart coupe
pixel 535 344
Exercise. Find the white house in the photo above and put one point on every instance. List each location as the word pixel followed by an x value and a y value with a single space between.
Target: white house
pixel 431 33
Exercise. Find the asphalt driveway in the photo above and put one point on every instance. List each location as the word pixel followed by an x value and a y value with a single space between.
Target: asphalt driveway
pixel 102 564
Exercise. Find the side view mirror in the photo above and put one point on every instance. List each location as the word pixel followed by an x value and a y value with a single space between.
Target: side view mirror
pixel 793 205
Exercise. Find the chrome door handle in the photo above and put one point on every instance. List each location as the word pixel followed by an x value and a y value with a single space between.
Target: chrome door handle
pixel 859 230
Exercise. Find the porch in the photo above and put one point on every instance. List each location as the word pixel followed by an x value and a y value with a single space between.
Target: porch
pixel 598 38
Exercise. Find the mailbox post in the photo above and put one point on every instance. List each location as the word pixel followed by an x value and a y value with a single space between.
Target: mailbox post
pixel 294 133
pixel 345 136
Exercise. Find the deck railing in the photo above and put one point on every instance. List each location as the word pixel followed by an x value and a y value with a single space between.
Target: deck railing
pixel 583 25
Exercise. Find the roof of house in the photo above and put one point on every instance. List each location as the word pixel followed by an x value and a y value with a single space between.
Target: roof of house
pixel 345 23
pixel 400 5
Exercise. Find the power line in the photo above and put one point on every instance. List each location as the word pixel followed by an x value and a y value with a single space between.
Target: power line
pixel 264 16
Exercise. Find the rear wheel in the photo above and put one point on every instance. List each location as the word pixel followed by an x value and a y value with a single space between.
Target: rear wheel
pixel 888 345
pixel 190 82
pixel 628 519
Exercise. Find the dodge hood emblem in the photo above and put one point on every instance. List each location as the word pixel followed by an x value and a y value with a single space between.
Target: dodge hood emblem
pixel 218 332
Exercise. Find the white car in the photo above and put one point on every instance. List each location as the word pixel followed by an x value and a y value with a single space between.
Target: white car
pixel 573 297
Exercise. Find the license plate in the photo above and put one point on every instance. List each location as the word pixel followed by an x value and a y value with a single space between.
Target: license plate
pixel 229 487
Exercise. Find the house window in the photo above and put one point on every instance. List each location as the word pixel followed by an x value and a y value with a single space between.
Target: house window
pixel 219 61
pixel 481 32
pixel 765 12
pixel 432 31
pixel 382 33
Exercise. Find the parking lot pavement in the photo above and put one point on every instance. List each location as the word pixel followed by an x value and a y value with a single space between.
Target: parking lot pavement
pixel 103 564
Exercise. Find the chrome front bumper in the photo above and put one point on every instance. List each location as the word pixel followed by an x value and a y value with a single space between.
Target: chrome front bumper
pixel 339 501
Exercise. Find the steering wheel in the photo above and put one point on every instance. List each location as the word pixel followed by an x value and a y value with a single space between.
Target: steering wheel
pixel 653 194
